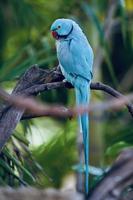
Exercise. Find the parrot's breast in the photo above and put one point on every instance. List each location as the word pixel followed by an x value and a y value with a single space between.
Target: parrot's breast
pixel 64 55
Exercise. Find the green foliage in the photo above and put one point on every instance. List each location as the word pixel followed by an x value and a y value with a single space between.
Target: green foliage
pixel 113 151
pixel 56 157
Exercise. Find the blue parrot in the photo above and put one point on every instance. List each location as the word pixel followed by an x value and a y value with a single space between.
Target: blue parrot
pixel 75 58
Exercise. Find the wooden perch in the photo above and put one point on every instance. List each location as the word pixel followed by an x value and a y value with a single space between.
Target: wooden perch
pixel 10 115
pixel 34 81
pixel 115 184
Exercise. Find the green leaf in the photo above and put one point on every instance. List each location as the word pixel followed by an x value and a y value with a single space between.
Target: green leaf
pixel 91 14
pixel 123 16
pixel 116 148
pixel 19 165
pixel 21 138
pixel 9 170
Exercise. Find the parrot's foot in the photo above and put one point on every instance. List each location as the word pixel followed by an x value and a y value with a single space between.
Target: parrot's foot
pixel 64 80
pixel 57 73
pixel 67 84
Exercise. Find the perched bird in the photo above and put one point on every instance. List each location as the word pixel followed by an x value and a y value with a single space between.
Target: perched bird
pixel 75 57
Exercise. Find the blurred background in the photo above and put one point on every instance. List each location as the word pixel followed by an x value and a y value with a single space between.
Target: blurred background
pixel 43 152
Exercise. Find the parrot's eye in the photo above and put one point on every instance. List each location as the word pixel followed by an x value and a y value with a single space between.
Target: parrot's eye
pixel 58 26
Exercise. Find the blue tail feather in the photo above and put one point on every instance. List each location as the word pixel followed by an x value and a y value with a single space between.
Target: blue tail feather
pixel 82 98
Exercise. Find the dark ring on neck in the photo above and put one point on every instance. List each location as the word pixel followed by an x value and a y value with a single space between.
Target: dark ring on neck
pixel 65 36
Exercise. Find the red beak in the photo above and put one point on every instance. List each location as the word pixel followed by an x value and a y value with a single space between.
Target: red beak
pixel 54 34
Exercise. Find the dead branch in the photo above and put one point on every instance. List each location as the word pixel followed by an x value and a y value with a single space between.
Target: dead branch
pixel 115 184
pixel 34 107
pixel 31 193
pixel 34 81
pixel 11 115
pixel 54 85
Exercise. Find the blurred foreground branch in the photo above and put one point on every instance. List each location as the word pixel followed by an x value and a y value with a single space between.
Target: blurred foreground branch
pixel 37 80
pixel 37 108
pixel 116 183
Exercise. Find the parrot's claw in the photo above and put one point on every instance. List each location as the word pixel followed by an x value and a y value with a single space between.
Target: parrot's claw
pixel 58 73
pixel 64 80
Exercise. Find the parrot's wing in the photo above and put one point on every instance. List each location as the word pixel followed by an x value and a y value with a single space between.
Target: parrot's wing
pixel 82 56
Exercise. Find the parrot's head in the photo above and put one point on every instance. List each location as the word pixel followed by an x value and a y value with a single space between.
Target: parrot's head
pixel 61 28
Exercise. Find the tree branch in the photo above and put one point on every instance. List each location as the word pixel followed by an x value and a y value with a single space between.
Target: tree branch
pixel 94 86
pixel 32 106
pixel 34 81
pixel 118 179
